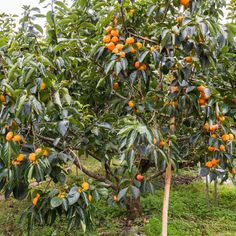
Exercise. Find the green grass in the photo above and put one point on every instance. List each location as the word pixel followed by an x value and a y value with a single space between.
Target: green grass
pixel 188 215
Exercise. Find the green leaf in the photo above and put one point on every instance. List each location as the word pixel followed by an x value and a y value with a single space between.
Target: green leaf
pixel 55 202
pixel 122 193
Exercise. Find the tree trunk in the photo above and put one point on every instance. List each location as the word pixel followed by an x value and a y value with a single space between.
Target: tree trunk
pixel 216 192
pixel 167 184
pixel 133 207
pixel 166 200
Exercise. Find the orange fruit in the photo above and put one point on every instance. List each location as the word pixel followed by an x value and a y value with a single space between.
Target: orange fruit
pixel 206 126
pixel 132 50
pixel 131 103
pixel 213 136
pixel 43 86
pixel 90 197
pixel 222 148
pixel 154 141
pixel 9 136
pixel 209 164
pixel 137 64
pixel 162 143
pixel 115 33
pixel 122 54
pixel 211 149
pixel 20 157
pixel 221 118
pixel 201 88
pixel 201 102
pixel 17 138
pixel 231 137
pixel 180 19
pixel 184 2
pixel 174 89
pixel 234 171
pixel 139 45
pixel 225 137
pixel 110 46
pixel 32 157
pixel 85 186
pixel 109 29
pixel 115 39
pixel 115 198
pixel 143 67
pixel 129 40
pixel 119 46
pixel 115 50
pixel 2 98
pixel 214 162
pixel 46 153
pixel 115 85
pixel 106 39
pixel 188 59
pixel 35 200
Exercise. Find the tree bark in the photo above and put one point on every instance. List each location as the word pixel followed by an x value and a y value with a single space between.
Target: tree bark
pixel 133 207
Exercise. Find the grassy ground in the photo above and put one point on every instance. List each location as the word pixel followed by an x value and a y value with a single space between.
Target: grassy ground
pixel 189 216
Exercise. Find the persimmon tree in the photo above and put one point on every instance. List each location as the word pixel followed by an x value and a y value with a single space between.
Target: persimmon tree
pixel 142 87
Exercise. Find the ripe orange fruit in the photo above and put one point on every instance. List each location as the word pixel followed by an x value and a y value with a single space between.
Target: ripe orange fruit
pixel 231 137
pixel 201 88
pixel 9 136
pixel 174 89
pixel 106 39
pixel 46 153
pixel 201 102
pixel 2 98
pixel 137 64
pixel 222 148
pixel 85 186
pixel 35 200
pixel 162 143
pixel 225 137
pixel 143 67
pixel 154 141
pixel 115 198
pixel 129 40
pixel 213 136
pixel 115 33
pixel 214 127
pixel 206 126
pixel 119 46
pixel 184 2
pixel 122 54
pixel 211 149
pixel 43 86
pixel 110 46
pixel 115 85
pixel 179 19
pixel 214 162
pixel 115 39
pixel 234 171
pixel 32 157
pixel 132 50
pixel 115 50
pixel 139 45
pixel 209 164
pixel 140 177
pixel 109 29
pixel 188 59
pixel 90 197
pixel 221 118
pixel 131 103
pixel 20 157
pixel 17 138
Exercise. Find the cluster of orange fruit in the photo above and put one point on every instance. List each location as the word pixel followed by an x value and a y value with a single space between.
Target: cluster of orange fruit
pixel 11 137
pixel 213 149
pixel 212 163
pixel 39 152
pixel 211 129
pixel 113 44
pixel 203 98
pixel 227 137
pixel 140 66
pixel 19 159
